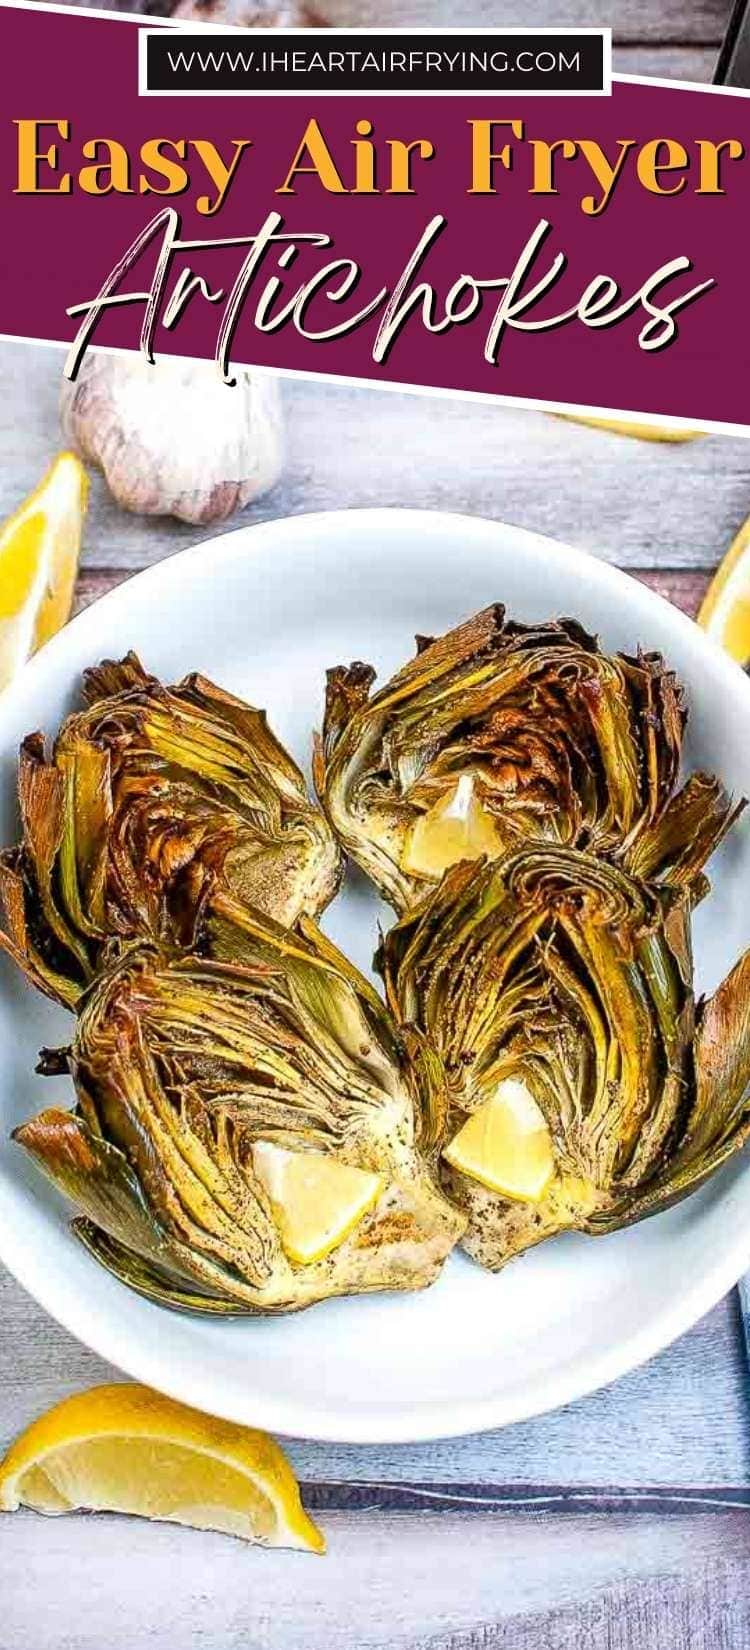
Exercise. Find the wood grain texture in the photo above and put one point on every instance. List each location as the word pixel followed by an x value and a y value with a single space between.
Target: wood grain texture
pixel 691 63
pixel 631 20
pixel 686 590
pixel 445 1581
pixel 642 504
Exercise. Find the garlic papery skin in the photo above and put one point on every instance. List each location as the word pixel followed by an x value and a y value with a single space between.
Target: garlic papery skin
pixel 172 439
pixel 249 14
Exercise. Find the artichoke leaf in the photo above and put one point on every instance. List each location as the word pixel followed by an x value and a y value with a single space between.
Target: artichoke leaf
pixel 96 1176
pixel 720 1112
pixel 87 812
pixel 677 844
pixel 44 802
pixel 43 962
pixel 156 1284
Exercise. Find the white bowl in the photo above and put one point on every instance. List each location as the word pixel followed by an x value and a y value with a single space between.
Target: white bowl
pixel 264 611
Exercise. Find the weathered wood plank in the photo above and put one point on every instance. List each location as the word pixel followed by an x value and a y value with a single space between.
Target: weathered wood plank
pixel 94 582
pixel 639 503
pixel 679 1421
pixel 691 63
pixel 428 1582
pixel 684 589
pixel 631 20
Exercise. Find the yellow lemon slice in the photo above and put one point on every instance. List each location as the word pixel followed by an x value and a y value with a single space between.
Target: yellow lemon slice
pixel 316 1201
pixel 642 432
pixel 725 609
pixel 127 1449
pixel 40 545
pixel 506 1145
pixel 455 828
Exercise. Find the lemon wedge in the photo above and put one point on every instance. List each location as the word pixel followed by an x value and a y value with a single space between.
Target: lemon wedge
pixel 127 1449
pixel 456 827
pixel 725 609
pixel 316 1201
pixel 642 432
pixel 506 1145
pixel 40 545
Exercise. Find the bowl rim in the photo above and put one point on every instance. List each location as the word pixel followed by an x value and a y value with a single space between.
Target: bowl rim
pixel 399 1421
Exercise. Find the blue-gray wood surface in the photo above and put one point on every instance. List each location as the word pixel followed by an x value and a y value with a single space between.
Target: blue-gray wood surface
pixel 623 1521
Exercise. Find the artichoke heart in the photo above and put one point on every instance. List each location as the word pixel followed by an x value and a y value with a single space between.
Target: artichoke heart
pixel 248 1128
pixel 500 733
pixel 151 795
pixel 587 1086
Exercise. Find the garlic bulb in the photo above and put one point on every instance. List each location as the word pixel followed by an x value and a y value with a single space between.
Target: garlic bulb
pixel 172 439
pixel 248 14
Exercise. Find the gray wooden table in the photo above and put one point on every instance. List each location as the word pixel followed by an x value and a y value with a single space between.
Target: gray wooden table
pixel 622 1521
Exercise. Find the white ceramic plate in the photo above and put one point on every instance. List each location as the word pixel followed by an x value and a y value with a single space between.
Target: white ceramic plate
pixel 264 611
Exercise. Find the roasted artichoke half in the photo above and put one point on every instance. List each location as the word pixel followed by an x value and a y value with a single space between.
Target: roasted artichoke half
pixel 150 795
pixel 246 1136
pixel 500 732
pixel 587 1087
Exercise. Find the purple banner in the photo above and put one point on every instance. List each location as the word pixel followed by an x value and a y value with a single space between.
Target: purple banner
pixel 562 249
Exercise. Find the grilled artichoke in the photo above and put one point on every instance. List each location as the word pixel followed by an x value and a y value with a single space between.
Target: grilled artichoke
pixel 203 1082
pixel 587 1088
pixel 151 794
pixel 499 732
